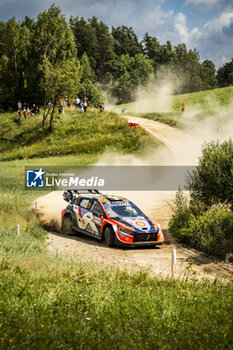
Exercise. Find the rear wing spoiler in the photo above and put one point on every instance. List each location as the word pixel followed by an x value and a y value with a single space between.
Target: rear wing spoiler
pixel 69 194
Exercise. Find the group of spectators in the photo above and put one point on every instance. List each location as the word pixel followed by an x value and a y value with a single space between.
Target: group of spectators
pixel 82 105
pixel 64 102
pixel 26 110
pixel 79 104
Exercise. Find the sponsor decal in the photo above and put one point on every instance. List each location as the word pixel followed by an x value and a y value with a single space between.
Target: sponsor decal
pixel 140 223
pixel 119 204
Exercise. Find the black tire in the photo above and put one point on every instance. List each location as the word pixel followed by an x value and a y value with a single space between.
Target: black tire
pixel 67 224
pixel 109 236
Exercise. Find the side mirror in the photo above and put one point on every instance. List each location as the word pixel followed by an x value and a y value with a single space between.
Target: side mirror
pixel 67 196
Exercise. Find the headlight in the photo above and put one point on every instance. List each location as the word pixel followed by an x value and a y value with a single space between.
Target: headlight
pixel 124 230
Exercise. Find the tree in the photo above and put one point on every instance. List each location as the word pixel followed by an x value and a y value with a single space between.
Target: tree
pixel 87 87
pixel 87 71
pixel 61 79
pixel 105 48
pixel 126 41
pixel 52 40
pixel 129 73
pixel 212 181
pixel 225 74
pixel 152 50
pixel 208 75
pixel 85 39
pixel 14 43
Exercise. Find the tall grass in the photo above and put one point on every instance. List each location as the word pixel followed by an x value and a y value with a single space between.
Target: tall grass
pixel 74 133
pixel 55 303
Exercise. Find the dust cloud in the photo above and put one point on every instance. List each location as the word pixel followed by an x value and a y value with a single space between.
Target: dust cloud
pixel 49 209
pixel 179 147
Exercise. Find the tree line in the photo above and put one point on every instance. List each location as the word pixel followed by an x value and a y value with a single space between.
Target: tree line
pixel 44 58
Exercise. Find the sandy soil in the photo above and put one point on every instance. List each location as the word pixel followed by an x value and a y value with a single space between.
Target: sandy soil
pixel 155 205
pixel 157 260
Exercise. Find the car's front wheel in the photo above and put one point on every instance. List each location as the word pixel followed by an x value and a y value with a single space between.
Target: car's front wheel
pixel 109 236
pixel 67 224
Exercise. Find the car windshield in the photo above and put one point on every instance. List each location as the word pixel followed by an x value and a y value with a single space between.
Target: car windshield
pixel 123 210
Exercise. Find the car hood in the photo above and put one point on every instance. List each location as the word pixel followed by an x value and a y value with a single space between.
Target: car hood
pixel 138 223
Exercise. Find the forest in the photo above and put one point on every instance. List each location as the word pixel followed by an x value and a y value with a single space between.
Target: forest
pixel 53 56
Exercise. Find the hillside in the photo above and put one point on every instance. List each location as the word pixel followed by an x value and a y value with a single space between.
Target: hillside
pixel 167 108
pixel 74 133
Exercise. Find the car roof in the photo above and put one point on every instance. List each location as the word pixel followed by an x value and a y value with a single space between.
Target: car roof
pixel 103 198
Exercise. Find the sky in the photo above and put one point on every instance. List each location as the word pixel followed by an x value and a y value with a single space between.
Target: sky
pixel 206 25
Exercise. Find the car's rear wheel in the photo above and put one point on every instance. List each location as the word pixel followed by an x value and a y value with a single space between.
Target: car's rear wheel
pixel 109 236
pixel 67 224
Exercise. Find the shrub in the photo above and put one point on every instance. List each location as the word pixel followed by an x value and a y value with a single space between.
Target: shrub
pixel 206 222
pixel 212 181
pixel 212 231
pixel 178 224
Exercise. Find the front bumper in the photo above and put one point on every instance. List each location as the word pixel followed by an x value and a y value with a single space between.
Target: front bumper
pixel 142 239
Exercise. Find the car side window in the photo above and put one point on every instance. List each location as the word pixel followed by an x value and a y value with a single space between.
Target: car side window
pixel 96 209
pixel 85 203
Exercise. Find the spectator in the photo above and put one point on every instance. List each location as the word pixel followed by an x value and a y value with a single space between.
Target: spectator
pixel 183 107
pixel 19 104
pixel 81 106
pixel 85 106
pixel 25 113
pixel 28 110
pixel 60 110
pixel 77 102
pixel 101 108
pixel 34 110
pixel 64 103
pixel 69 102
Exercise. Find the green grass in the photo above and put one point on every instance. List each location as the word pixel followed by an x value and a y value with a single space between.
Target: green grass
pixel 50 302
pixel 203 103
pixel 74 133
pixel 171 119
pixel 207 101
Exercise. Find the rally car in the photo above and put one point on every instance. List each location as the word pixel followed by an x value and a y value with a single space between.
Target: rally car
pixel 114 219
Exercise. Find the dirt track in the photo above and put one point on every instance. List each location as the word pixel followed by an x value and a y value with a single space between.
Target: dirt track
pixel 155 205
pixel 173 138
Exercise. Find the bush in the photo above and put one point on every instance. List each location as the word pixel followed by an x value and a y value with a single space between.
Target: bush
pixel 212 231
pixel 94 95
pixel 212 182
pixel 206 222
pixel 179 222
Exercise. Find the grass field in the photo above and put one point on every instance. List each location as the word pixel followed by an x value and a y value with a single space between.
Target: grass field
pixel 208 100
pixel 50 302
pixel 53 302
pixel 203 103
pixel 74 133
